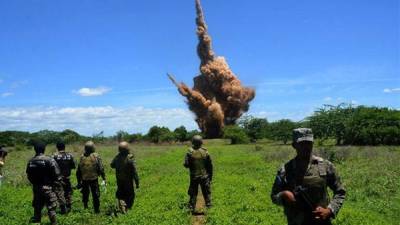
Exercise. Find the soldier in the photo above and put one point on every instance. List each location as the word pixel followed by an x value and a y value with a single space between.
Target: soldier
pixel 66 163
pixel 200 166
pixel 301 185
pixel 90 167
pixel 3 154
pixel 43 172
pixel 125 171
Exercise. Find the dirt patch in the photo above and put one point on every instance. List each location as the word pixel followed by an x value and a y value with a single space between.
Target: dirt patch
pixel 198 215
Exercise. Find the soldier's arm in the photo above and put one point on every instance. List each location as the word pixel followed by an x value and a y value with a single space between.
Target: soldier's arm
pixel 28 173
pixel 209 167
pixel 72 163
pixel 113 163
pixel 55 170
pixel 278 187
pixel 186 163
pixel 339 192
pixel 135 174
pixel 79 174
pixel 100 167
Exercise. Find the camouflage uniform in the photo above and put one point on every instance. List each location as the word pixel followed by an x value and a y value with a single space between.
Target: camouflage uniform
pixel 64 189
pixel 90 167
pixel 201 171
pixel 127 176
pixel 42 172
pixel 310 190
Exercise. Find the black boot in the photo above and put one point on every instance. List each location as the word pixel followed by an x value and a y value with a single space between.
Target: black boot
pixel 69 207
pixel 53 219
pixel 37 215
pixel 63 209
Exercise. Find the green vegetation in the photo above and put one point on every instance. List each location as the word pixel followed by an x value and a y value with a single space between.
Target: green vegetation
pixel 243 178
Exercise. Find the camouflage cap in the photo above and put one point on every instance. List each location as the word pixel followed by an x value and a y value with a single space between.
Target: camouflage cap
pixel 302 134
pixel 123 146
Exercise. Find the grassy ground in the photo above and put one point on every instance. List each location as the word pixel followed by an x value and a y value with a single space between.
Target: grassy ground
pixel 243 178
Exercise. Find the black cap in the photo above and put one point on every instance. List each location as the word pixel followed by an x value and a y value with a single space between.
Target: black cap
pixel 60 145
pixel 39 146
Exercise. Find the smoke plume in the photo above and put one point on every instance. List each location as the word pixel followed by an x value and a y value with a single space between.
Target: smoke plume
pixel 217 98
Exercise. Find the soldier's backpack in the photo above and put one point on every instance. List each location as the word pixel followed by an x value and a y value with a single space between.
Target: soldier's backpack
pixel 89 167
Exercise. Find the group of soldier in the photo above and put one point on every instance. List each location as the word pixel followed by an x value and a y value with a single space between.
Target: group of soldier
pixel 300 185
pixel 51 184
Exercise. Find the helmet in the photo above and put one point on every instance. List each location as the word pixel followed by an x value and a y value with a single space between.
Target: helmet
pixel 197 140
pixel 123 146
pixel 89 146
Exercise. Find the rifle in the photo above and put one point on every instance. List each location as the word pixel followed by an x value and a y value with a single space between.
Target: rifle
pixel 300 192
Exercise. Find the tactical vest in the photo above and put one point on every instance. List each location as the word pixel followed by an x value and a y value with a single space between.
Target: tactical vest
pixel 40 171
pixel 123 167
pixel 63 160
pixel 88 166
pixel 314 186
pixel 198 161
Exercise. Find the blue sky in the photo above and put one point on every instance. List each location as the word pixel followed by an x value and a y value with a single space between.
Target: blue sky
pixel 101 65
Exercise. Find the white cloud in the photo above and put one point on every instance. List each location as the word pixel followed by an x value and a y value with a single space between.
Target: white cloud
pixel 87 92
pixel 90 120
pixel 354 102
pixel 390 90
pixel 328 99
pixel 6 94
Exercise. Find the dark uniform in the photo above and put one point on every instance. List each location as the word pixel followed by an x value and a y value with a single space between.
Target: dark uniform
pixel 66 163
pixel 43 172
pixel 309 187
pixel 200 166
pixel 3 154
pixel 90 167
pixel 125 171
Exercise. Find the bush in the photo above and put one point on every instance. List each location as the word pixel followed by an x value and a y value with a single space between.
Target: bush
pixel 236 134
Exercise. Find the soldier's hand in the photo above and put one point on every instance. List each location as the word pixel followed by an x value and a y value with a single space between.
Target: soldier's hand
pixel 288 197
pixel 322 213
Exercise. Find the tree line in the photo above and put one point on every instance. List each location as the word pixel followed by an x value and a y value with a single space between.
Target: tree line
pixel 344 124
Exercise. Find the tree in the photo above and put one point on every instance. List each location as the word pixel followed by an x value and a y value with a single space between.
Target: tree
pixel 281 130
pixel 181 134
pixel 255 128
pixel 122 136
pixel 159 134
pixel 236 134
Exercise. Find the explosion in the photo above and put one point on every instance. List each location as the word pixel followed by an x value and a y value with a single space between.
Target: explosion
pixel 217 98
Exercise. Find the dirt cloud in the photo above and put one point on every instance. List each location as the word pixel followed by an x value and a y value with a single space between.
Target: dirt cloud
pixel 217 97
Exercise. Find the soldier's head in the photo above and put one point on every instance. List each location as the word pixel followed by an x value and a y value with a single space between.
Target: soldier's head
pixel 197 141
pixel 303 140
pixel 123 147
pixel 3 152
pixel 90 147
pixel 39 147
pixel 60 145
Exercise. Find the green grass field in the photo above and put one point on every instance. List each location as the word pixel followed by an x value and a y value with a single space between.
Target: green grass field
pixel 243 178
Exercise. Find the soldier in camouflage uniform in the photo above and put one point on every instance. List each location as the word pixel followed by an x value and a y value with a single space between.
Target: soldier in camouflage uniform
pixel 43 172
pixel 200 166
pixel 126 174
pixel 301 185
pixel 66 163
pixel 3 154
pixel 90 167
